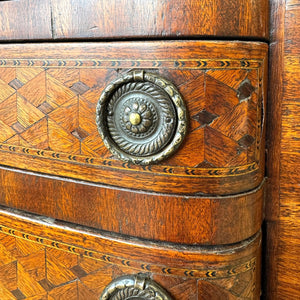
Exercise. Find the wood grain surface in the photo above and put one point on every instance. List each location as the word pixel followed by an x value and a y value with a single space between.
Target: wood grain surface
pixel 282 210
pixel 25 20
pixel 48 100
pixel 40 259
pixel 167 221
pixel 178 219
pixel 82 19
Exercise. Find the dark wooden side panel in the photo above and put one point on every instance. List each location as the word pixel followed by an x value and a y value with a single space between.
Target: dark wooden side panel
pixel 69 19
pixel 45 260
pixel 282 210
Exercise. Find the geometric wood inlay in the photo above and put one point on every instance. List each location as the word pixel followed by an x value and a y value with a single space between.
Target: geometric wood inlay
pixel 50 126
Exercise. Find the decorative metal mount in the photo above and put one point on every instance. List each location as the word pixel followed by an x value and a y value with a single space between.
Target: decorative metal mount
pixel 141 118
pixel 136 287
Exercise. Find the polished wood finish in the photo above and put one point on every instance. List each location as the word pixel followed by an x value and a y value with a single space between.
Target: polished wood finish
pixel 48 104
pixel 81 19
pixel 191 222
pixel 25 20
pixel 282 210
pixel 178 219
pixel 164 18
pixel 40 258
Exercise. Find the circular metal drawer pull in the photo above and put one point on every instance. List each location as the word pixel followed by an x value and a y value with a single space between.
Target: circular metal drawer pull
pixel 134 287
pixel 141 118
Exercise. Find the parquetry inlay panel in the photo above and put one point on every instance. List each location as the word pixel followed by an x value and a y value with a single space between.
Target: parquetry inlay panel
pixel 35 267
pixel 47 112
pixel 53 109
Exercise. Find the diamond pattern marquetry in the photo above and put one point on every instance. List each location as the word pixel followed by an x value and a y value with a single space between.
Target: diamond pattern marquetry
pixel 223 116
pixel 16 84
pixel 46 109
pixel 204 117
pixel 33 270
pixel 54 109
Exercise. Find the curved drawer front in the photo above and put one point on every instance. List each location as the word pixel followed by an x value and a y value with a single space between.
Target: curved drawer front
pixel 49 94
pixel 55 260
pixel 165 218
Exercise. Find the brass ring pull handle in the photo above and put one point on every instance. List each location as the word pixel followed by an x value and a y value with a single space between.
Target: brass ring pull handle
pixel 141 118
pixel 134 287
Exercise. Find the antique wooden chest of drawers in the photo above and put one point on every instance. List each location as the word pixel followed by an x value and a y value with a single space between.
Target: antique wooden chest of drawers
pixel 133 169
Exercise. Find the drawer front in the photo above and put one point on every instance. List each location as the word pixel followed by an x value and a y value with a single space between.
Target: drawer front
pixel 40 260
pixel 49 94
pixel 165 218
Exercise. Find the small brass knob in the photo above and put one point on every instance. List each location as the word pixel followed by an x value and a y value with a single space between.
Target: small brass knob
pixel 135 118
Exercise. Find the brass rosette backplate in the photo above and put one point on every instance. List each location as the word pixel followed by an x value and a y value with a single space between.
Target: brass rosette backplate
pixel 141 118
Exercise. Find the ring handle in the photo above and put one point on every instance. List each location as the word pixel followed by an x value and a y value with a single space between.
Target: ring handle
pixel 134 287
pixel 141 118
